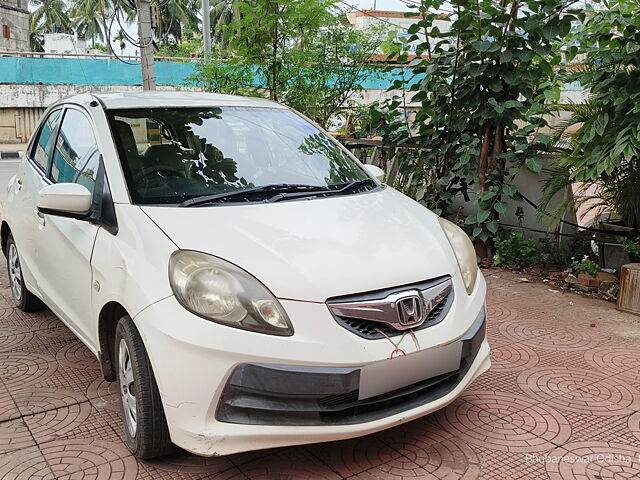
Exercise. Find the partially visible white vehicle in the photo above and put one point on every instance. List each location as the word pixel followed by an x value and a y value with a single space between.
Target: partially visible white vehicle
pixel 245 280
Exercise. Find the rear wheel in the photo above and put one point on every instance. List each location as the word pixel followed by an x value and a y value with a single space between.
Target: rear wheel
pixel 23 298
pixel 145 426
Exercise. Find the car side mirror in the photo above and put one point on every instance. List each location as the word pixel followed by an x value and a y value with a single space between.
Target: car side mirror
pixel 375 171
pixel 65 200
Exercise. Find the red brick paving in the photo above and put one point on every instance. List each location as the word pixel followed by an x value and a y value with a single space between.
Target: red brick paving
pixel 562 401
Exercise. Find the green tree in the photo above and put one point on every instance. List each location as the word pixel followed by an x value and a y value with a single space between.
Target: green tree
pixel 120 37
pixel 174 16
pixel 329 72
pixel 605 149
pixel 299 53
pixel 49 13
pixel 269 35
pixel 86 18
pixel 223 13
pixel 482 87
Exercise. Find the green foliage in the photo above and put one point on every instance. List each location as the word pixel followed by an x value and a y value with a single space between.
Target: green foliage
pixel 228 78
pixel 482 91
pixel 631 245
pixel 48 13
pixel 86 19
pixel 101 47
pixel 182 49
pixel 300 53
pixel 562 253
pixel 605 149
pixel 610 137
pixel 516 251
pixel 586 266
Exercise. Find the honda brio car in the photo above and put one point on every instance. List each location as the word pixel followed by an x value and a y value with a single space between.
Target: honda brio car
pixel 246 281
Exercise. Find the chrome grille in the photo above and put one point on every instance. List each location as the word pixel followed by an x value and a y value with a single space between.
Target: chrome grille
pixel 373 329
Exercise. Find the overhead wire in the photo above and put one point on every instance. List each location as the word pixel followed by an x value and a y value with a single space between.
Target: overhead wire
pixel 116 15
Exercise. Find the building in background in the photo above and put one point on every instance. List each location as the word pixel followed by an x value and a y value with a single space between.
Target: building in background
pixel 14 22
pixel 392 20
pixel 67 44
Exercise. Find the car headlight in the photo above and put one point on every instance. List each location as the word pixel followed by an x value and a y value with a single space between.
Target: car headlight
pixel 464 251
pixel 219 291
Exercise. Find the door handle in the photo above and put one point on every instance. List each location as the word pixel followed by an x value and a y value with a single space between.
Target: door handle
pixel 39 216
pixel 18 185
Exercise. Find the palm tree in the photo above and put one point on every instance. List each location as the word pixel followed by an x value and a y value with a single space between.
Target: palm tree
pixel 223 13
pixel 174 16
pixel 120 37
pixel 612 192
pixel 85 14
pixel 48 14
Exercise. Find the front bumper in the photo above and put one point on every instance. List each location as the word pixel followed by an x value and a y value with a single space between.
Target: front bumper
pixel 194 362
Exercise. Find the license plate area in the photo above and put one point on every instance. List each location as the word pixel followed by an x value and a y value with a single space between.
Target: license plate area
pixel 388 375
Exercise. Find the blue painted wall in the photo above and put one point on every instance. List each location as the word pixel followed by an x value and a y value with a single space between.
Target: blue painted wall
pixel 85 71
pixel 81 71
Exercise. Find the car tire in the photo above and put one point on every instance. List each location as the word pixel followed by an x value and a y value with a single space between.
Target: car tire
pixel 145 426
pixel 23 298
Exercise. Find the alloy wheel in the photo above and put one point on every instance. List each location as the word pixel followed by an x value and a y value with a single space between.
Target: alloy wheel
pixel 15 273
pixel 127 387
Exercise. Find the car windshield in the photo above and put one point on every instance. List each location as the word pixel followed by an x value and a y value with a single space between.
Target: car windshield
pixel 172 155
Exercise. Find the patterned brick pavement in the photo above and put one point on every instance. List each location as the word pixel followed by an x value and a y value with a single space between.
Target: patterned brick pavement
pixel 562 401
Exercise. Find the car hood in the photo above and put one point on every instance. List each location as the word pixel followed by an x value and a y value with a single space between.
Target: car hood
pixel 315 249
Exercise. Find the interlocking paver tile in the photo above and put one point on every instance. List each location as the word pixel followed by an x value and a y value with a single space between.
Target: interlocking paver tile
pixel 80 454
pixel 288 463
pixel 587 427
pixel 65 422
pixel 77 355
pixel 594 460
pixel 14 435
pixel 32 400
pixel 634 424
pixel 513 357
pixel 349 457
pixel 499 380
pixel 184 465
pixel 8 407
pixel 513 423
pixel 19 370
pixel 584 392
pixel 400 468
pixel 557 338
pixel 558 386
pixel 501 465
pixel 26 464
pixel 63 377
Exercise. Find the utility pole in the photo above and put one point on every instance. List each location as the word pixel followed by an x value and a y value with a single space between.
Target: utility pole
pixel 145 37
pixel 206 29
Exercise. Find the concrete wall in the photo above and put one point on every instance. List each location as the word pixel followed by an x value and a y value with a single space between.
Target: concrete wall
pixel 14 15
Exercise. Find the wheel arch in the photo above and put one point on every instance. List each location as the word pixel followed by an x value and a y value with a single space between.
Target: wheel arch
pixel 108 319
pixel 5 231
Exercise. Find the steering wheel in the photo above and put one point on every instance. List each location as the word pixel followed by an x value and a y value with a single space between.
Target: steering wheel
pixel 146 172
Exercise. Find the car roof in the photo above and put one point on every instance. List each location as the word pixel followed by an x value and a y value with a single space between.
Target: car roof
pixel 160 99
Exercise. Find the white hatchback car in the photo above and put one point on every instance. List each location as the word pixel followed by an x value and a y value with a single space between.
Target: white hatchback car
pixel 245 280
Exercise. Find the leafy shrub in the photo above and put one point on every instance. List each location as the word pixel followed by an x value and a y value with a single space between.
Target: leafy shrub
pixel 586 266
pixel 630 245
pixel 563 253
pixel 517 251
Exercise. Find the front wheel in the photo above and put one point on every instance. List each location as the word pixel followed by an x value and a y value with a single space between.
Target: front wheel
pixel 145 426
pixel 23 298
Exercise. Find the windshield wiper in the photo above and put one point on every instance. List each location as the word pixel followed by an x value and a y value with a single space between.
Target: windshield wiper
pixel 350 187
pixel 220 197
